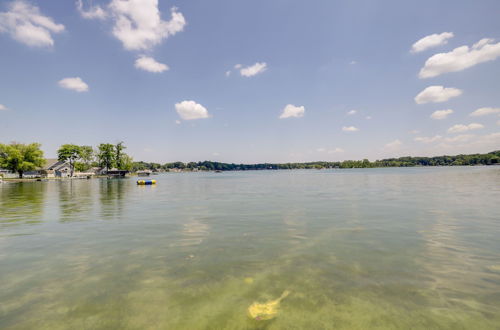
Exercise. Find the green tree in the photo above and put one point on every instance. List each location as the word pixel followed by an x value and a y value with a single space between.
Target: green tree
pixel 122 160
pixel 119 147
pixel 87 157
pixel 18 157
pixel 106 155
pixel 126 162
pixel 69 153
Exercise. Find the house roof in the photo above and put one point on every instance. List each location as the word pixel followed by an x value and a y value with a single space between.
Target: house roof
pixel 49 162
pixel 54 164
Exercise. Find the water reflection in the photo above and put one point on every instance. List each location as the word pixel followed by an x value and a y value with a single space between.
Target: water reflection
pixel 75 200
pixel 111 196
pixel 22 203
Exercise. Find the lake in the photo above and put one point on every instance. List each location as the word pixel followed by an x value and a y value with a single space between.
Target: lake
pixel 390 248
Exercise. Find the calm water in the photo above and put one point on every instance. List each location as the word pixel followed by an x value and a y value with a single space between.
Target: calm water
pixel 358 249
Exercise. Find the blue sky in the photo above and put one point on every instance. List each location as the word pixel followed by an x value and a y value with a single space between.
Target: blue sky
pixel 252 81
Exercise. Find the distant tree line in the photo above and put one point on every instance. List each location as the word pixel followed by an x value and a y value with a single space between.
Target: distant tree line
pixel 491 158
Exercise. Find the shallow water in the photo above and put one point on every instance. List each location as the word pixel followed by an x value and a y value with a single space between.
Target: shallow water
pixel 358 249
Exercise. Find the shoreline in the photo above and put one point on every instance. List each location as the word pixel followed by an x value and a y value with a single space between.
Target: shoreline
pixel 132 175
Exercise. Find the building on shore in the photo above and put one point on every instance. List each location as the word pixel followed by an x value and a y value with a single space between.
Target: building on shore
pixel 55 168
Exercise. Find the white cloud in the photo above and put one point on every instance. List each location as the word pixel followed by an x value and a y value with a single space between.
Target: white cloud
pixel 426 139
pixel 352 112
pixel 26 24
pixel 441 114
pixel 177 122
pixel 228 73
pixel 238 66
pixel 463 128
pixel 436 94
pixel 138 23
pixel 460 138
pixel 414 131
pixel 94 12
pixel 253 70
pixel 368 117
pixel 460 58
pixel 336 150
pixel 292 111
pixel 189 110
pixel 3 107
pixel 430 41
pixel 484 112
pixel 350 129
pixel 150 64
pixel 330 151
pixel 76 84
pixel 353 62
pixel 394 144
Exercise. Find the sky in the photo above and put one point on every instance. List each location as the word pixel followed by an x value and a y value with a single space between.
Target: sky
pixel 252 81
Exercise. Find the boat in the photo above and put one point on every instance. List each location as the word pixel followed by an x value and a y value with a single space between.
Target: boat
pixel 144 173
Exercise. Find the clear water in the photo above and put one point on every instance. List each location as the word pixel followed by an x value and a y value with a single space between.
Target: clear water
pixel 397 248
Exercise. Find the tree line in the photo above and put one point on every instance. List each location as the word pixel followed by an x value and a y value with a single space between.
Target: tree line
pixel 491 158
pixel 21 158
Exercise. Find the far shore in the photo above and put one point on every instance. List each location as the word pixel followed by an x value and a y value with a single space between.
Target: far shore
pixel 134 174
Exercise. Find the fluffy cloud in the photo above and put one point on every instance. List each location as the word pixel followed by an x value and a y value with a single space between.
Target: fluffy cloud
pixel 252 70
pixel 138 24
pixel 484 112
pixel 189 110
pixel 426 139
pixel 26 24
pixel 350 129
pixel 150 64
pixel 352 112
pixel 430 41
pixel 441 114
pixel 94 12
pixel 464 128
pixel 436 94
pixel 76 84
pixel 3 107
pixel 460 58
pixel 292 111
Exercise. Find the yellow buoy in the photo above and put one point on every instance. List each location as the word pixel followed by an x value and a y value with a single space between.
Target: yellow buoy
pixel 266 311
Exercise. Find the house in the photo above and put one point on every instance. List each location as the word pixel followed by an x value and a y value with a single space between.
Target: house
pixel 55 168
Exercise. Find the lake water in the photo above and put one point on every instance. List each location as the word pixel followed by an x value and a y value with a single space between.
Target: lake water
pixel 393 248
